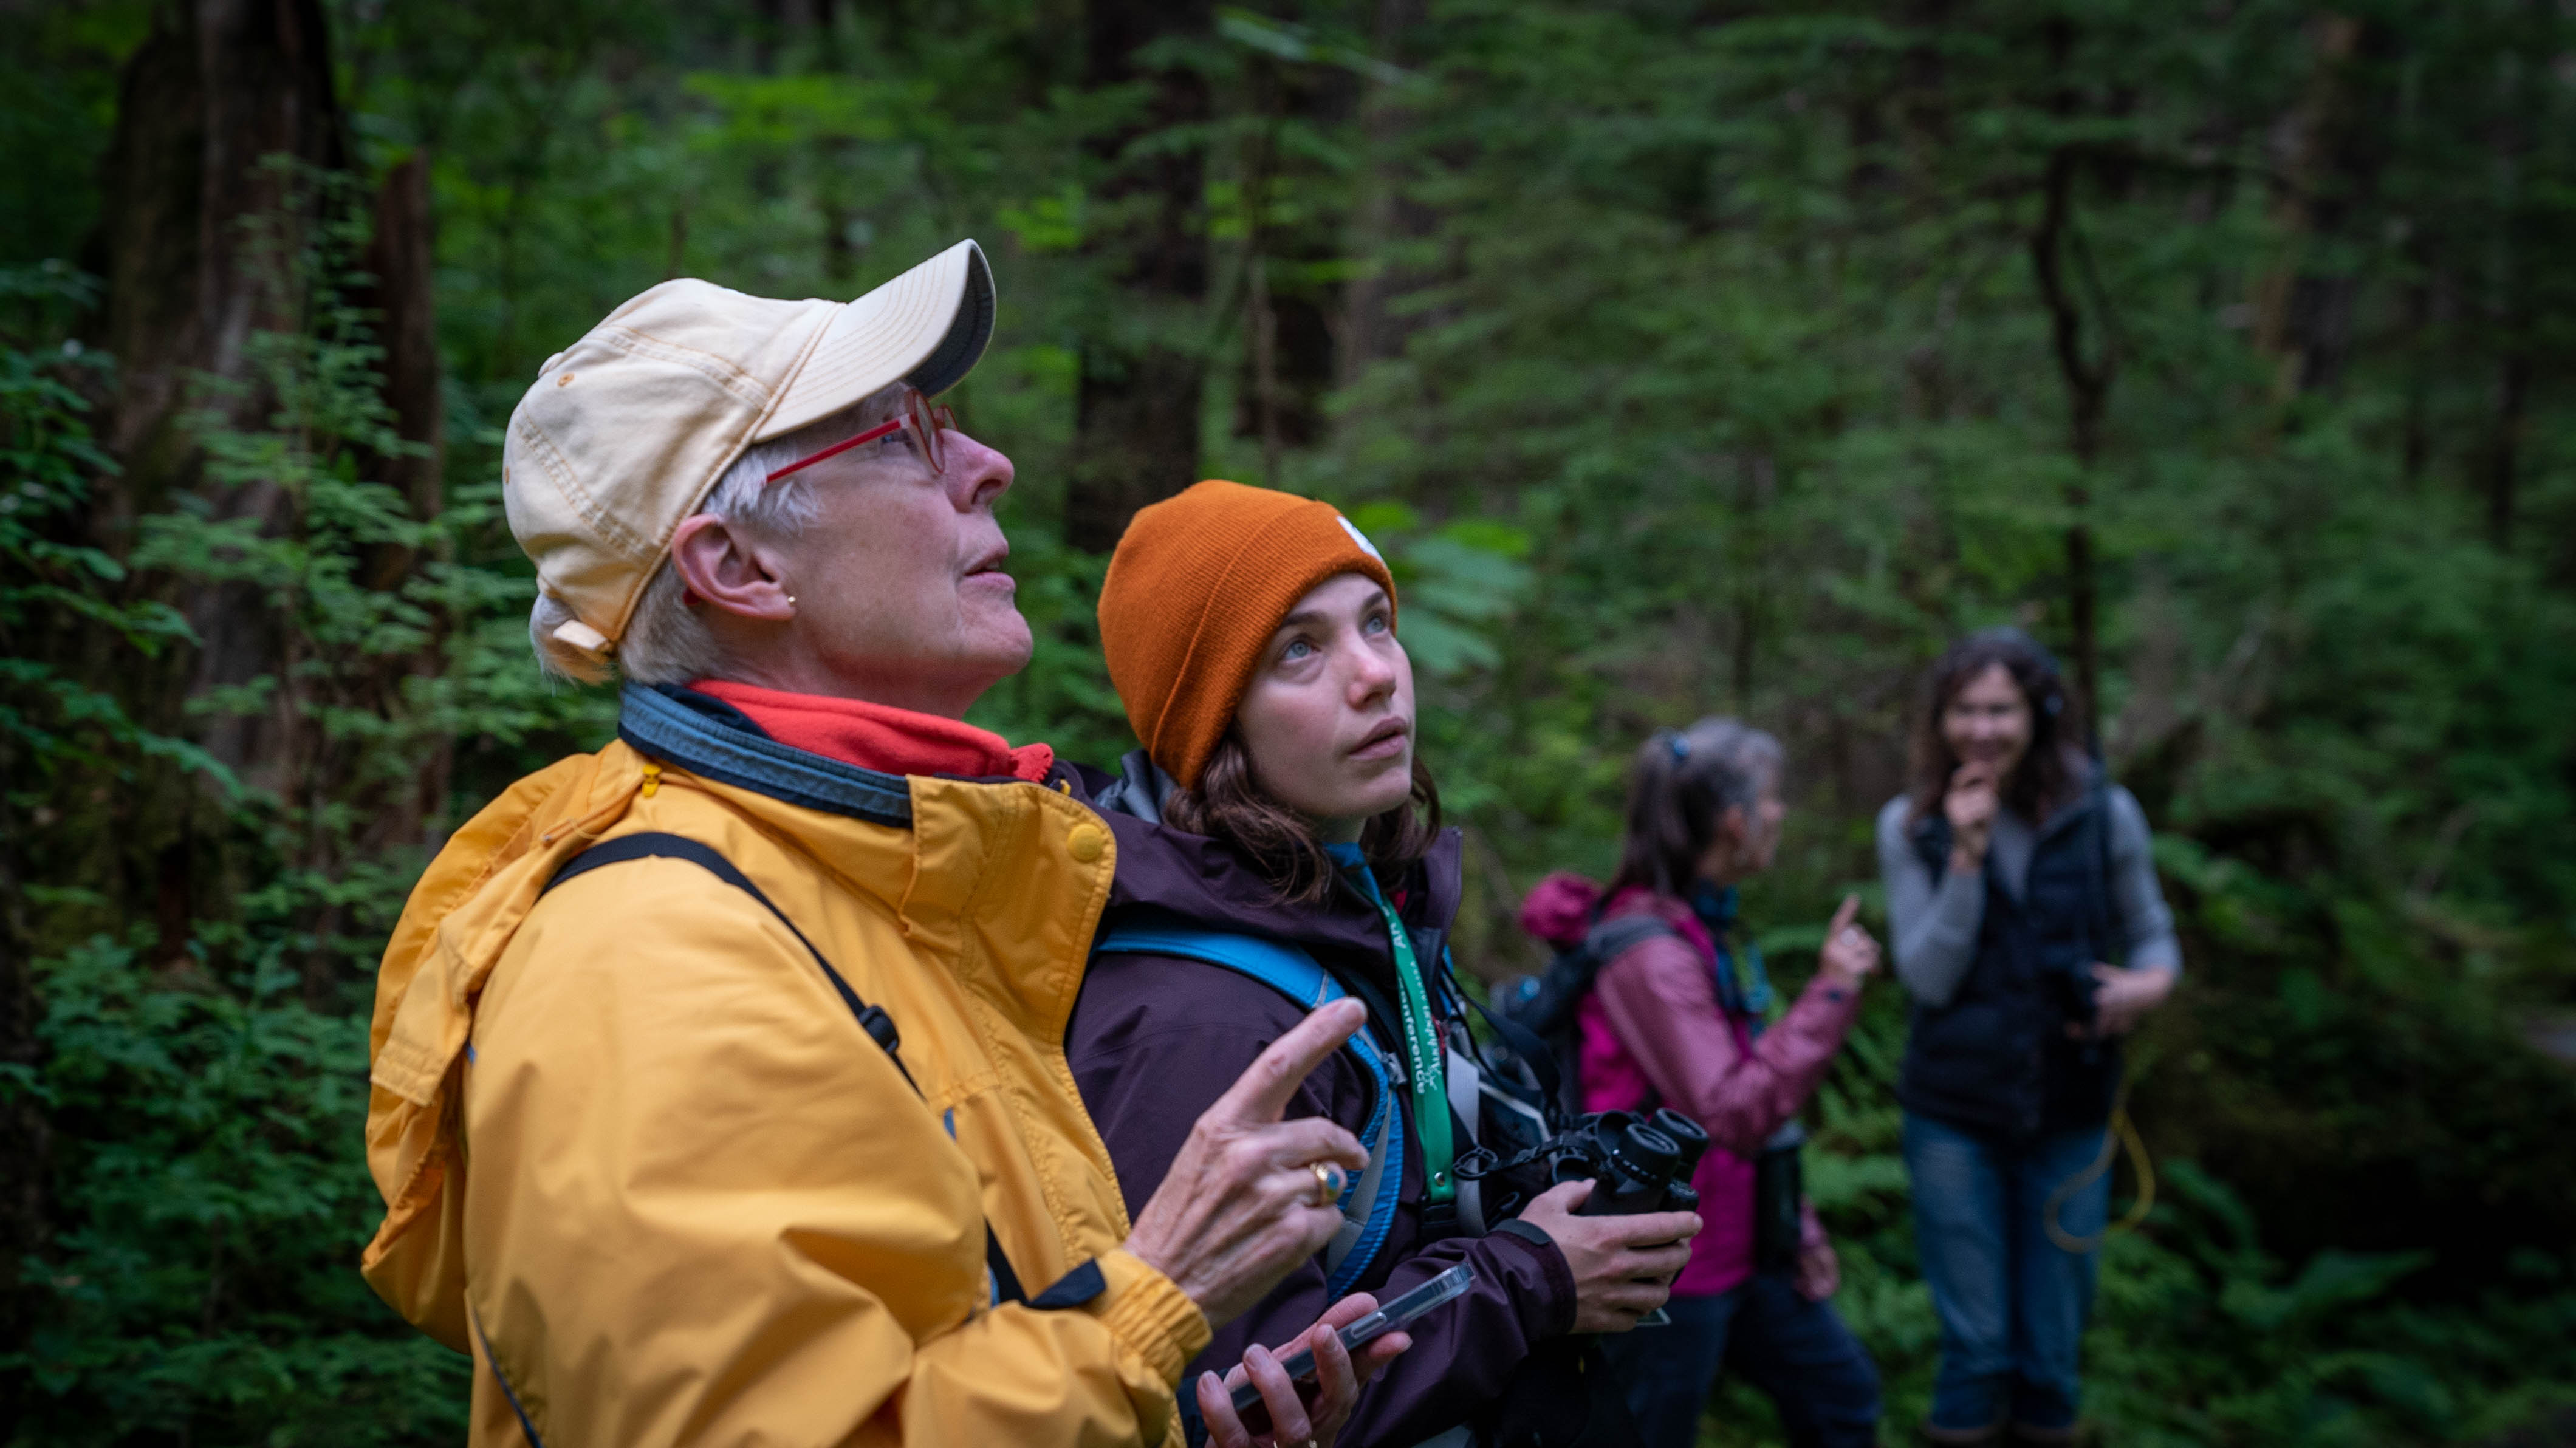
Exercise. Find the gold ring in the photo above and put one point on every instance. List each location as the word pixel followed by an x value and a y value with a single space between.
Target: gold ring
pixel 1328 1186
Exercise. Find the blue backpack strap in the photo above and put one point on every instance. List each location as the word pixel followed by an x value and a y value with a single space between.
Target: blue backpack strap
pixel 1368 1203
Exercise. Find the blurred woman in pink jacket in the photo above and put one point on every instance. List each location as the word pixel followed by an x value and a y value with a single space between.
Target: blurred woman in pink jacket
pixel 1679 1018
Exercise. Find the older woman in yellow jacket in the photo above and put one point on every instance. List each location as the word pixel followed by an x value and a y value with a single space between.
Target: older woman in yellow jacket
pixel 719 1084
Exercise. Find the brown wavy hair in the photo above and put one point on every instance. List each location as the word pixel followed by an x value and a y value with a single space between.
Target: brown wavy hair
pixel 1229 805
pixel 2052 769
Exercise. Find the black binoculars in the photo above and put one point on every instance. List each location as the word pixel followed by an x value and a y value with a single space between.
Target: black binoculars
pixel 1636 1164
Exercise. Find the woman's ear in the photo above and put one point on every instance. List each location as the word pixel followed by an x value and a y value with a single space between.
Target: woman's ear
pixel 1726 837
pixel 725 570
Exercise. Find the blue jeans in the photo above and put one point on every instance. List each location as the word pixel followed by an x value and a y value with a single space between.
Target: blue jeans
pixel 1796 1351
pixel 2012 1302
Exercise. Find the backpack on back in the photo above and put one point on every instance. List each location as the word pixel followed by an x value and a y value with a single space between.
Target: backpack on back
pixel 1545 1004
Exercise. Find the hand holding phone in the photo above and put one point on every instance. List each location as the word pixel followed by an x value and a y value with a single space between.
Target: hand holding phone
pixel 1300 1365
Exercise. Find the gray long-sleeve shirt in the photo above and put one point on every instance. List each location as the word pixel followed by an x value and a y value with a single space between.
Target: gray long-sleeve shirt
pixel 1935 926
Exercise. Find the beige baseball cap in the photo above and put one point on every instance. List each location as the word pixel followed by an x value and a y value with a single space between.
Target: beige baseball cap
pixel 625 432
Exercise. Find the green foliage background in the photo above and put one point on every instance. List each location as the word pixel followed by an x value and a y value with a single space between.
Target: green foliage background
pixel 1725 385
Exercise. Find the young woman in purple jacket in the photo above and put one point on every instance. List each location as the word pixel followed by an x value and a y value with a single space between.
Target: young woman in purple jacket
pixel 1252 638
pixel 1679 1019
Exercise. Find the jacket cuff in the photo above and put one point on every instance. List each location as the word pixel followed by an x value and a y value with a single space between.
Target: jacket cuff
pixel 1833 998
pixel 1150 1315
pixel 1556 1303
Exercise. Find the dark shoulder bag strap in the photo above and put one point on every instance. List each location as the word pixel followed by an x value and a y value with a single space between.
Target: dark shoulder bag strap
pixel 1524 1044
pixel 1618 937
pixel 1609 941
pixel 654 844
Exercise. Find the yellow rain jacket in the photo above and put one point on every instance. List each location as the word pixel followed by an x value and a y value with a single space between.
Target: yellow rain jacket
pixel 640 1159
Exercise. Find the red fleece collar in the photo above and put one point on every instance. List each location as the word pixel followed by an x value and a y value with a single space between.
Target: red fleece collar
pixel 878 737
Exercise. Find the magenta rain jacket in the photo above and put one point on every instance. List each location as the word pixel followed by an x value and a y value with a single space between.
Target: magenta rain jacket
pixel 1652 1031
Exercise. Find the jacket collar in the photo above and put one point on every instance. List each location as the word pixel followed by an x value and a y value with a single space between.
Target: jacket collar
pixel 880 736
pixel 714 740
pixel 950 836
pixel 1209 884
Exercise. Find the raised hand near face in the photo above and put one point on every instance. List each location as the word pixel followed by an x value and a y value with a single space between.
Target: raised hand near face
pixel 1849 954
pixel 1970 807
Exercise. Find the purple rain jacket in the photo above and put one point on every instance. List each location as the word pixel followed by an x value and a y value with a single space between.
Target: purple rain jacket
pixel 1155 1040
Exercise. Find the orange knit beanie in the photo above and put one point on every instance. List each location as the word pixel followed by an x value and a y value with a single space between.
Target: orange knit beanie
pixel 1194 591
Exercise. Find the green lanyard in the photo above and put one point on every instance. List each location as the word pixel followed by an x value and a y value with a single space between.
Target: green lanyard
pixel 1421 1053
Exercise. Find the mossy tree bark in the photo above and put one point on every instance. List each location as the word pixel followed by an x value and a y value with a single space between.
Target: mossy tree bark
pixel 227 131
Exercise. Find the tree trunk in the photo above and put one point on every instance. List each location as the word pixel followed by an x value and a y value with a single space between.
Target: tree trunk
pixel 229 137
pixel 401 258
pixel 1136 421
pixel 2301 321
pixel 1388 217
pixel 2504 455
pixel 2088 394
pixel 2415 448
pixel 1258 401
pixel 219 88
pixel 1290 361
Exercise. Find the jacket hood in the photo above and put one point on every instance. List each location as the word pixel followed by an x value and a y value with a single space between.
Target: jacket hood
pixel 1209 883
pixel 459 918
pixel 1559 909
pixel 1562 909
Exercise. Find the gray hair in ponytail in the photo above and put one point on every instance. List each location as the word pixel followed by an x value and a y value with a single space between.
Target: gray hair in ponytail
pixel 1680 787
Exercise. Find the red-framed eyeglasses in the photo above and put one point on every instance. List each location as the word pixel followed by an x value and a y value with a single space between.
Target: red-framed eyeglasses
pixel 927 423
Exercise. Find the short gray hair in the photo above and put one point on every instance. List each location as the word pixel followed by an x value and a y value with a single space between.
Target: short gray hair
pixel 665 641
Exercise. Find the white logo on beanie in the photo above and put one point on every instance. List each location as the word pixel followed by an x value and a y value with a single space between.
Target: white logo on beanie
pixel 1360 538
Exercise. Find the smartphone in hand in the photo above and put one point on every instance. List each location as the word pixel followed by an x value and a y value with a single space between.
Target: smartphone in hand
pixel 1300 1365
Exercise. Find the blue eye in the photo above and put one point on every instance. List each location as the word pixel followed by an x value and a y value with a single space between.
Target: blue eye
pixel 1377 623
pixel 1297 649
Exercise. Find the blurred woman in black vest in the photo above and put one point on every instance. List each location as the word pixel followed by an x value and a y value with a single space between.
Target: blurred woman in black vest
pixel 2031 934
